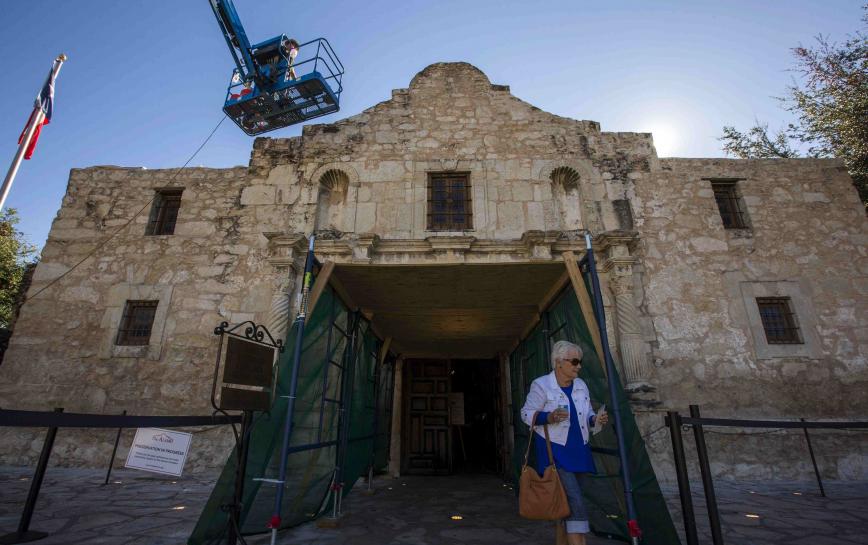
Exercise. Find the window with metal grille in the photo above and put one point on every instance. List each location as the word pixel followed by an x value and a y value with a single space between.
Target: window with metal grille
pixel 779 321
pixel 729 204
pixel 164 212
pixel 449 207
pixel 138 318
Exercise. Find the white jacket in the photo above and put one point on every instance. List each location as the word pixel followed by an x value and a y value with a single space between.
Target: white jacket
pixel 546 395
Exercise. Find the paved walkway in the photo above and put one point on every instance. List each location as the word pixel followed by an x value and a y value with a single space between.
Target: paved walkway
pixel 143 509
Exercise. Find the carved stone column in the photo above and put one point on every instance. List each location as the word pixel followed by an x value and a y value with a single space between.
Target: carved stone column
pixel 633 354
pixel 278 315
pixel 635 366
pixel 286 253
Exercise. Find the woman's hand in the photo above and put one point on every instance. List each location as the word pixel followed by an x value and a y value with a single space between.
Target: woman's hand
pixel 557 416
pixel 602 419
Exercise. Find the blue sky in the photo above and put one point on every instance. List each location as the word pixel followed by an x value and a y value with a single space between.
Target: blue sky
pixel 145 79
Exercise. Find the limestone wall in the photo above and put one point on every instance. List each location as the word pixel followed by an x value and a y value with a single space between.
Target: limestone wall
pixel 211 269
pixel 807 240
pixel 452 118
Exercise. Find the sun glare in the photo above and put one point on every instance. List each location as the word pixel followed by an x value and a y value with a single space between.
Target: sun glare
pixel 667 139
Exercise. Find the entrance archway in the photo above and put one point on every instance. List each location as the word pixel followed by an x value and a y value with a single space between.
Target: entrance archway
pixel 370 321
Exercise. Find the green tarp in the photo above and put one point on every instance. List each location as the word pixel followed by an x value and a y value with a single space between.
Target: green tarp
pixel 603 492
pixel 338 366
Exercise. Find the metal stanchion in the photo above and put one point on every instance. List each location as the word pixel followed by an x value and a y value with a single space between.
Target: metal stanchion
pixel 108 473
pixel 24 534
pixel 814 460
pixel 240 470
pixel 673 420
pixel 707 481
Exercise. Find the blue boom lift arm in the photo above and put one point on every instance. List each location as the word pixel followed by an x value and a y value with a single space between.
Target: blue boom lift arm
pixel 235 36
pixel 265 93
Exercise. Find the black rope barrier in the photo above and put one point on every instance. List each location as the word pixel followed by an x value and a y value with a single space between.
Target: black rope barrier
pixel 674 421
pixel 40 419
pixel 60 419
pixel 733 423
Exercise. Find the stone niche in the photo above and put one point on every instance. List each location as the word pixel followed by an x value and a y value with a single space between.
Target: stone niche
pixel 331 199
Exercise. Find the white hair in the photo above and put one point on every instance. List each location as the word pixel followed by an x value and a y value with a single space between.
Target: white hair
pixel 562 347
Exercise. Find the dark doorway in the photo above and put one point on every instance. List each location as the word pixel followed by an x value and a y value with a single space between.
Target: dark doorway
pixel 476 443
pixel 451 417
pixel 426 441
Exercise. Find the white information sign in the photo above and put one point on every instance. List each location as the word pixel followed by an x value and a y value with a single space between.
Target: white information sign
pixel 160 451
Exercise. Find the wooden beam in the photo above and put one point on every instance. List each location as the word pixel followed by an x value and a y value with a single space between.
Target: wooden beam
pixel 529 327
pixel 541 307
pixel 586 306
pixel 554 292
pixel 384 350
pixel 322 279
pixel 342 293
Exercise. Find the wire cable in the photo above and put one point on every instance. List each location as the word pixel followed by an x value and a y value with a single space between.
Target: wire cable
pixel 124 226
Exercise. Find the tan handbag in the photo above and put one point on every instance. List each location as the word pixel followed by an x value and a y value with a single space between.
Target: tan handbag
pixel 541 498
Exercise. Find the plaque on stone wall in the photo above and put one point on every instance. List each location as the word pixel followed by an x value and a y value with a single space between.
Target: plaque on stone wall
pixel 248 375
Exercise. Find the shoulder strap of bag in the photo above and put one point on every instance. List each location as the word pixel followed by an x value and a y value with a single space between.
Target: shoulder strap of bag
pixel 549 446
pixel 530 437
pixel 548 441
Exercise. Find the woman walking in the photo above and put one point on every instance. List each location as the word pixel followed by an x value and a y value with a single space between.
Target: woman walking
pixel 562 400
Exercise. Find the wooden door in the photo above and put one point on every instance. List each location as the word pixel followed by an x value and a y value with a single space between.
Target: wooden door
pixel 428 449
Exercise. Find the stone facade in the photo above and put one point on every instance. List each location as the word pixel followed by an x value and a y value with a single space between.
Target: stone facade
pixel 680 289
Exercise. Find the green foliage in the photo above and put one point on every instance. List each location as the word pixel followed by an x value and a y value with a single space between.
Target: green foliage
pixel 14 255
pixel 830 106
pixel 757 143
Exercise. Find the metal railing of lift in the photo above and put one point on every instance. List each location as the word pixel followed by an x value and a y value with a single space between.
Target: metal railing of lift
pixel 336 68
pixel 674 421
pixel 324 56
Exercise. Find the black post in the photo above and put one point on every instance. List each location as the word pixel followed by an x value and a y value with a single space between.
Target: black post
pixel 275 521
pixel 24 534
pixel 616 391
pixel 240 471
pixel 108 473
pixel 673 420
pixel 707 482
pixel 814 460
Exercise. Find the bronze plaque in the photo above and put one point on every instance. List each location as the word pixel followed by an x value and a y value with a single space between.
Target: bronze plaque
pixel 248 363
pixel 234 399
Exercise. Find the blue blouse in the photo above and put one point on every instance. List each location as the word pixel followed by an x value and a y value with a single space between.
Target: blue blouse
pixel 575 455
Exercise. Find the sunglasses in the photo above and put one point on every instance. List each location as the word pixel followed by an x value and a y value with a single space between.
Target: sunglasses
pixel 574 361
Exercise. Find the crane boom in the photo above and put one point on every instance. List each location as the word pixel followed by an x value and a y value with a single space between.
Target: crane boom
pixel 277 82
pixel 236 38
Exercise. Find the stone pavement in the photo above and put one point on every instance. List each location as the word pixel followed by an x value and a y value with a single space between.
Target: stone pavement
pixel 144 509
pixel 778 513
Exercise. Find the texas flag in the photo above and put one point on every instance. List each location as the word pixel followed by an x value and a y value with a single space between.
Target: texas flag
pixel 45 103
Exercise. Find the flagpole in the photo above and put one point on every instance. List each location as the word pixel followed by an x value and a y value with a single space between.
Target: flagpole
pixel 35 121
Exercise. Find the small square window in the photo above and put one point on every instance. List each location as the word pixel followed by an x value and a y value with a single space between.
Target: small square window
pixel 136 323
pixel 779 321
pixel 449 206
pixel 164 212
pixel 729 204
